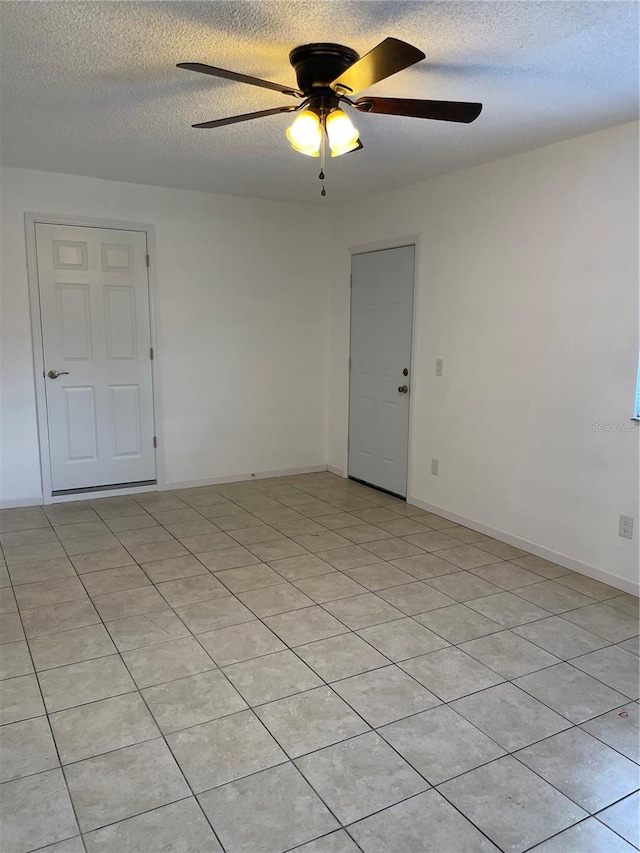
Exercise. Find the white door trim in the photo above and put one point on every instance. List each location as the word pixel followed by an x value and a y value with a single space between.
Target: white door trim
pixel 31 219
pixel 379 246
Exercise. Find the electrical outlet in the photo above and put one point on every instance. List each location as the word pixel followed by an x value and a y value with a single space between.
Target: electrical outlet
pixel 434 467
pixel 439 365
pixel 625 527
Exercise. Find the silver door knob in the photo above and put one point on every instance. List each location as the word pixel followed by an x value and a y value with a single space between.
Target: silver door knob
pixel 403 389
pixel 53 374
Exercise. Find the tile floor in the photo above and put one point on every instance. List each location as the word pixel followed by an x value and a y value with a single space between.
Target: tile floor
pixel 305 663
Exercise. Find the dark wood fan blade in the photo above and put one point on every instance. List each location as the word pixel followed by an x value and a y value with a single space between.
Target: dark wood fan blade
pixel 240 78
pixel 438 110
pixel 387 58
pixel 221 122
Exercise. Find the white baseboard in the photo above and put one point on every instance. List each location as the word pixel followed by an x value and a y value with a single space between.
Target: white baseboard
pixel 339 472
pixel 238 478
pixel 624 584
pixel 14 503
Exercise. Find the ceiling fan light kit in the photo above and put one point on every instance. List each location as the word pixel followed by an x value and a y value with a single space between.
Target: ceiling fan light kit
pixel 327 75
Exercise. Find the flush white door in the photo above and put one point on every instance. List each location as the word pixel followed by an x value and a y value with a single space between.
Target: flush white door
pixel 380 367
pixel 94 303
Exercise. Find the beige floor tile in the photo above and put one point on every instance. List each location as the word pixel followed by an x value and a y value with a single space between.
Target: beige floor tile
pixel 306 566
pixel 416 597
pixel 128 602
pixel 458 623
pixel 241 744
pixel 214 613
pixel 26 748
pixel 246 578
pixel 35 811
pixel 272 810
pixel 510 716
pixel 157 551
pixel 507 609
pixel 618 729
pixel 329 587
pixel 167 661
pixel 134 632
pixel 613 666
pixel 305 626
pixel 588 772
pixel 506 575
pixel 508 654
pixel 50 592
pixel 427 823
pixel 114 558
pixel 237 643
pixel 114 580
pixel 450 673
pixel 274 599
pixel 440 744
pixel 271 677
pixel 179 826
pixel 575 695
pixel 402 639
pixel 310 721
pixel 59 617
pixel 341 656
pixel 20 699
pixel 174 568
pixel 541 567
pixel 360 776
pixel 124 783
pixel 560 637
pixel 15 659
pixel 623 818
pixel 88 681
pixel 590 836
pixel 193 700
pixel 71 646
pixel 605 621
pixel 385 695
pixel 491 797
pixel 361 611
pixel 102 726
pixel 7 601
pixel 11 630
pixel 378 576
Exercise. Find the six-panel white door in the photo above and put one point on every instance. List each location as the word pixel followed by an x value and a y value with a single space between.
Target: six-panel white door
pixel 381 325
pixel 94 302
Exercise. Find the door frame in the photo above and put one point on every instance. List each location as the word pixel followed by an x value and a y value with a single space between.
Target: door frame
pixel 380 246
pixel 31 220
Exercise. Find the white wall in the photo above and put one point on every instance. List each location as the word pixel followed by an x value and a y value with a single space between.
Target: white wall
pixel 527 287
pixel 242 327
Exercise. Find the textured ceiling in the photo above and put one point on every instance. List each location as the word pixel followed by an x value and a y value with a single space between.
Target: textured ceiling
pixel 91 88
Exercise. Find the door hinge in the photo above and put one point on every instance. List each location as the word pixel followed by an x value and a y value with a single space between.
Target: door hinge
pixel 349 364
pixel 155 441
pixel 151 353
pixel 147 260
pixel 348 444
pixel 351 280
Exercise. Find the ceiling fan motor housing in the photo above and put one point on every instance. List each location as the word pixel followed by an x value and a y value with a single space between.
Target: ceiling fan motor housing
pixel 318 65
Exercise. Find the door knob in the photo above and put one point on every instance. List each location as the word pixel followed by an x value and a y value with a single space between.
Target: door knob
pixel 53 374
pixel 403 389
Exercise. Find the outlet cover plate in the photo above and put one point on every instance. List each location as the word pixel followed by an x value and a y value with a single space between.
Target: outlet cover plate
pixel 625 527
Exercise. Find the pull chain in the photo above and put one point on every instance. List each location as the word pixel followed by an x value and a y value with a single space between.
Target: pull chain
pixel 322 155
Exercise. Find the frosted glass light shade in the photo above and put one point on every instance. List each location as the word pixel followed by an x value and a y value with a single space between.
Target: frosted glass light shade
pixel 305 134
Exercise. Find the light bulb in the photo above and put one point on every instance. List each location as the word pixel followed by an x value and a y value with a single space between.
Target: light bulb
pixel 343 136
pixel 305 134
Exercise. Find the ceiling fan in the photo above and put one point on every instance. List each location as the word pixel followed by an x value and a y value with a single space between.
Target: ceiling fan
pixel 328 75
